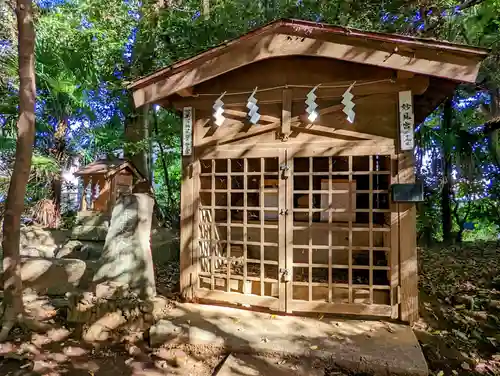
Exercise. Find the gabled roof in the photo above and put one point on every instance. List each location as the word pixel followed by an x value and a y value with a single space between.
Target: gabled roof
pixel 108 168
pixel 287 37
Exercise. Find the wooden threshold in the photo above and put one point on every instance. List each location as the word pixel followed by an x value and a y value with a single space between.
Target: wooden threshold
pixel 238 299
pixel 340 308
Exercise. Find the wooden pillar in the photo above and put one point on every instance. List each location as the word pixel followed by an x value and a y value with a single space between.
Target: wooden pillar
pixel 408 271
pixel 189 205
pixel 286 114
pixel 83 202
pixel 394 243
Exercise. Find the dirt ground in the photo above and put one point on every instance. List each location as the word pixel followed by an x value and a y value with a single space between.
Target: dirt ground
pixel 58 352
pixel 458 330
pixel 42 356
pixel 460 309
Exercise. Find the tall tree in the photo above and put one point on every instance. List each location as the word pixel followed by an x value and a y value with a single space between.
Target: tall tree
pixel 447 167
pixel 13 309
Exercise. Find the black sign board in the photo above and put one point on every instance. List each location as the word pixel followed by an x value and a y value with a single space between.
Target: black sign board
pixel 407 192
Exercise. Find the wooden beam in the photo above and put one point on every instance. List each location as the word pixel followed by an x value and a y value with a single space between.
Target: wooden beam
pixel 260 47
pixel 404 75
pixel 417 85
pixel 305 149
pixel 342 132
pixel 286 114
pixel 187 92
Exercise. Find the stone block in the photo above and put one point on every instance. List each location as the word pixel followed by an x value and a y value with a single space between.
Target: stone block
pixel 34 236
pixel 71 249
pixel 89 233
pixel 82 250
pixel 56 276
pixel 126 257
pixel 111 290
pixel 163 331
pixel 93 219
pixel 93 249
pixel 38 251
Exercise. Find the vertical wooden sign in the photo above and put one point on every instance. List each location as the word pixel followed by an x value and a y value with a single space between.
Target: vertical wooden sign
pixel 406 120
pixel 187 131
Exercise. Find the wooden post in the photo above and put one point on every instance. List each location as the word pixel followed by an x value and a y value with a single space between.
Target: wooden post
pixel 189 200
pixel 112 193
pixel 83 203
pixel 286 114
pixel 394 244
pixel 408 273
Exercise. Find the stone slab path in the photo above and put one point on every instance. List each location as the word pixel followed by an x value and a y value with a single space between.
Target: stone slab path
pixel 374 347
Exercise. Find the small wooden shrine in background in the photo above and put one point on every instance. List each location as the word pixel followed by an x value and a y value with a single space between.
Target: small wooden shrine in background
pixel 104 181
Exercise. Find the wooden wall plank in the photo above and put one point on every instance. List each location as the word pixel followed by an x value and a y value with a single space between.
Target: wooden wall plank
pixel 408 244
pixel 332 124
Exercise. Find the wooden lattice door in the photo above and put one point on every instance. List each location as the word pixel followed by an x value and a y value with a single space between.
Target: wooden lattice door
pixel 292 232
pixel 340 235
pixel 240 242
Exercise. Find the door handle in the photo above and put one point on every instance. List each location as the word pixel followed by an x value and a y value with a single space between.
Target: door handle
pixel 284 170
pixel 286 276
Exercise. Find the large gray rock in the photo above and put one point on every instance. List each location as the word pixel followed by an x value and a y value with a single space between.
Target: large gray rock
pixel 126 257
pixel 93 219
pixel 163 331
pixel 56 276
pixel 34 236
pixel 76 249
pixel 89 233
pixel 38 251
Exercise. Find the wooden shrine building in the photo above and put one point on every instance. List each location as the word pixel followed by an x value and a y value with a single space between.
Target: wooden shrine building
pixel 104 181
pixel 298 189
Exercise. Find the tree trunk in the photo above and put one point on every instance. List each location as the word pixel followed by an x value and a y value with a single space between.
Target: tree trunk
pixel 13 303
pixel 59 154
pixel 137 133
pixel 166 178
pixel 137 121
pixel 493 140
pixel 447 178
pixel 206 9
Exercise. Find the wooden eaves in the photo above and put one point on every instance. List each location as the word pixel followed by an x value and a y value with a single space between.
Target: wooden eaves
pixel 108 168
pixel 443 61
